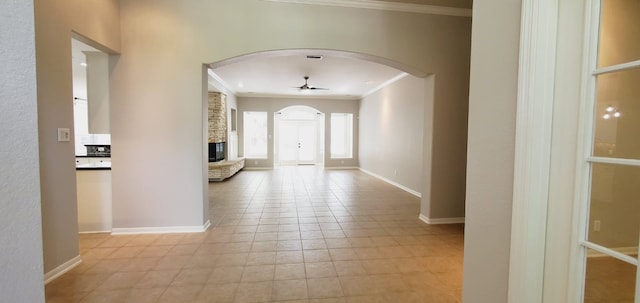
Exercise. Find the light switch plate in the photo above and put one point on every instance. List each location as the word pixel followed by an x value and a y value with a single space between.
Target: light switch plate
pixel 64 135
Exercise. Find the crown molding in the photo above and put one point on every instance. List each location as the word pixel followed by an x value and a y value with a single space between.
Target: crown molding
pixel 388 6
pixel 214 79
pixel 384 84
pixel 286 96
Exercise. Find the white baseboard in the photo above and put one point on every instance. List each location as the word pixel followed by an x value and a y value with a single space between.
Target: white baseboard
pixel 341 167
pixel 257 168
pixel 60 270
pixel 632 250
pixel 400 186
pixel 93 230
pixel 161 230
pixel 428 220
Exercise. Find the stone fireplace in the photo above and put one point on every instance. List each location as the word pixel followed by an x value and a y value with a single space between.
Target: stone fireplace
pixel 220 166
pixel 217 113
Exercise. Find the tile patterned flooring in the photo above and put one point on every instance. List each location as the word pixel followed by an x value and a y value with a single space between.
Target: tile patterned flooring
pixel 292 234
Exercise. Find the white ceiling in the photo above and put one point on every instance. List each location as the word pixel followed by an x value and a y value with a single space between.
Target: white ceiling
pixel 345 78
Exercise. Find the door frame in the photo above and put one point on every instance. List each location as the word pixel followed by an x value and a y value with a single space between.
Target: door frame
pixel 555 47
pixel 550 91
pixel 319 118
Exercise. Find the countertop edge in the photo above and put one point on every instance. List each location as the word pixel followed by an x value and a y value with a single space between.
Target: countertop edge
pixel 93 168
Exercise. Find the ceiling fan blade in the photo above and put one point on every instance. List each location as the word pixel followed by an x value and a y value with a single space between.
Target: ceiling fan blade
pixel 306 86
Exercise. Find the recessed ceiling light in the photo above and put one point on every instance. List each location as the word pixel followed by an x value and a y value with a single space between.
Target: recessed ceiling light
pixel 83 63
pixel 240 84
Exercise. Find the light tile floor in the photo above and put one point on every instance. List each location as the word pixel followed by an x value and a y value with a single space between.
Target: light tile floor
pixel 293 234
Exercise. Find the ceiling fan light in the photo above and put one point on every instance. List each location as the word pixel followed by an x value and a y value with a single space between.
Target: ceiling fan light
pixel 617 114
pixel 610 108
pixel 606 116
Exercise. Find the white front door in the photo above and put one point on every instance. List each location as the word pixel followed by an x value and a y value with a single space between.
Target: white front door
pixel 297 142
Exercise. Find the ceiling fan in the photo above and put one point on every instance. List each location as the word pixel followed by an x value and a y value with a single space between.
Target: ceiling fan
pixel 306 86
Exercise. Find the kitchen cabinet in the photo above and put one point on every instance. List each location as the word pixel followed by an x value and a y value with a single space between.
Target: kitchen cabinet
pixel 89 160
pixel 94 200
pixel 81 161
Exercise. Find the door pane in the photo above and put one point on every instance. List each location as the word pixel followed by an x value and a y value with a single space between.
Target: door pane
pixel 618 115
pixel 620 23
pixel 614 216
pixel 288 138
pixel 307 137
pixel 609 279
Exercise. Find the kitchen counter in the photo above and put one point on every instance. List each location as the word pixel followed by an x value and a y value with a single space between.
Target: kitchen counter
pixel 94 166
pixel 93 183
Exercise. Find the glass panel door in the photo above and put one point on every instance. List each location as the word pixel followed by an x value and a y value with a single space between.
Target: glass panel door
pixel 297 142
pixel 288 142
pixel 610 203
pixel 307 138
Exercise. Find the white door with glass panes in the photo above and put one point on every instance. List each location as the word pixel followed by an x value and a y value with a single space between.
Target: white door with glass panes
pixel 609 201
pixel 297 142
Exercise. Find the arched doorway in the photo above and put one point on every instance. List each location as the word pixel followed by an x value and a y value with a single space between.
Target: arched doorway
pixel 299 136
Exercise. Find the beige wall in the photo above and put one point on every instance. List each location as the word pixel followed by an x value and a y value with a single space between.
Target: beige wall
pixel 55 21
pixel 20 227
pixel 391 124
pixel 158 91
pixel 492 109
pixel 326 106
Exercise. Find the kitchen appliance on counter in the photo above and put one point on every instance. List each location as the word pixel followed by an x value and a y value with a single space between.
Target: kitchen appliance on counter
pixel 98 150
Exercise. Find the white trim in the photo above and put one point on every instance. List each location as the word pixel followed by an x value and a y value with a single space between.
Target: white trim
pixel 62 269
pixel 428 220
pixel 398 185
pixel 617 68
pixel 614 161
pixel 585 140
pixel 319 96
pixel 94 232
pixel 384 84
pixel 257 168
pixel 388 6
pixel 341 167
pixel 161 230
pixel 213 76
pixel 534 117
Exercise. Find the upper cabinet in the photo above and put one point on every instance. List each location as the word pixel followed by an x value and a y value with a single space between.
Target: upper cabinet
pixel 98 92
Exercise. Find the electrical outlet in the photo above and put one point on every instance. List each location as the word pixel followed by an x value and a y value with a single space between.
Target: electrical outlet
pixel 596 225
pixel 64 135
